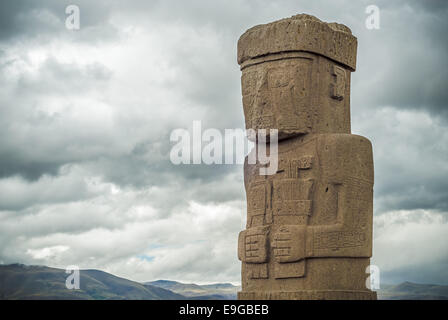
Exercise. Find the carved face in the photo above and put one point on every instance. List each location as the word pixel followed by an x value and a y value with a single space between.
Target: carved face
pixel 276 95
pixel 296 93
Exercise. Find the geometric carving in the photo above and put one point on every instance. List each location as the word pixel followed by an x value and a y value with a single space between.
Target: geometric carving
pixel 304 162
pixel 279 97
pixel 291 167
pixel 292 189
pixel 258 271
pixel 289 270
pixel 336 240
pixel 256 204
pixel 257 199
pixel 292 207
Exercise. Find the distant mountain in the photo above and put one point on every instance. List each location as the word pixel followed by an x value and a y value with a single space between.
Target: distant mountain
pixel 413 291
pixel 190 288
pixel 216 291
pixel 19 281
pixel 403 291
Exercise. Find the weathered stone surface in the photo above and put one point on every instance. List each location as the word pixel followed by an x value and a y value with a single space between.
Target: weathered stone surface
pixel 309 226
pixel 301 32
pixel 296 93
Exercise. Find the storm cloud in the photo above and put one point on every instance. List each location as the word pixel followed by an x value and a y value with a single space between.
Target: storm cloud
pixel 86 118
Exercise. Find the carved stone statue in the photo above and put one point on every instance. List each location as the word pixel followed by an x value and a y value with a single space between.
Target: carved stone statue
pixel 309 225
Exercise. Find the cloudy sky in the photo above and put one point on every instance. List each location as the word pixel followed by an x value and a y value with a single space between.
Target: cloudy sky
pixel 86 116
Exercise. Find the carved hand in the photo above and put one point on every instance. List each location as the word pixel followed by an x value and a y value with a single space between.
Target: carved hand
pixel 289 243
pixel 252 245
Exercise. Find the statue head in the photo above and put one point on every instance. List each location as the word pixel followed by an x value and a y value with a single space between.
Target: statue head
pixel 296 76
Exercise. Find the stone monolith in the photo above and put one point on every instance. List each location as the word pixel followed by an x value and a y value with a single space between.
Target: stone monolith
pixel 309 225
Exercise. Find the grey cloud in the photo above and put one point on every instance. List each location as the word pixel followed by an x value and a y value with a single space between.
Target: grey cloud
pixel 415 241
pixel 430 273
pixel 410 149
pixel 112 119
pixel 434 6
pixel 57 78
pixel 27 20
pixel 174 186
pixel 31 170
pixel 402 64
pixel 16 18
pixel 32 142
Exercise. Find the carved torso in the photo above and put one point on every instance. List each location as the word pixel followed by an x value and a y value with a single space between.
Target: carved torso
pixel 314 206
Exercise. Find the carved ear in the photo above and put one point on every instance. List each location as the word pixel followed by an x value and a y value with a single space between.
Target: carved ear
pixel 338 87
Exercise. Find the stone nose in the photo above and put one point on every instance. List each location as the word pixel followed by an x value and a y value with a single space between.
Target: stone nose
pixel 261 95
pixel 260 102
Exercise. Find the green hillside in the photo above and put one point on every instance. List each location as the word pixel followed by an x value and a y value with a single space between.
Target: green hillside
pixel 39 282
